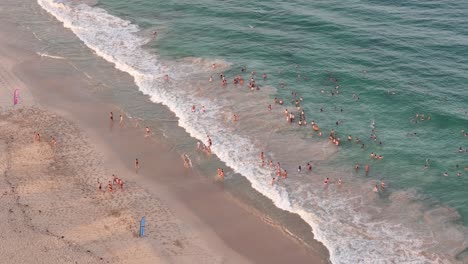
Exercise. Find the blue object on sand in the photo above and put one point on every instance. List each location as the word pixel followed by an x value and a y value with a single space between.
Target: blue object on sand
pixel 142 226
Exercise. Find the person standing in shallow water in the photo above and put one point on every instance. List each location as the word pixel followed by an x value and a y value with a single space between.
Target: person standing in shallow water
pixel 137 165
pixel 148 132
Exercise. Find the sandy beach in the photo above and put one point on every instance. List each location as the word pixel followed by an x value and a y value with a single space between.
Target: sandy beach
pixel 52 210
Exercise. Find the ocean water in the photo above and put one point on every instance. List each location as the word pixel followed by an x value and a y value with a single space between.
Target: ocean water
pixel 370 66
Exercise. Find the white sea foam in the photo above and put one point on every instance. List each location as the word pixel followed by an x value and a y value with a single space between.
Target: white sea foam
pixel 351 229
pixel 50 56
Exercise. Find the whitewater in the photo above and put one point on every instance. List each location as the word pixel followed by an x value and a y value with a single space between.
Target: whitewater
pixel 348 224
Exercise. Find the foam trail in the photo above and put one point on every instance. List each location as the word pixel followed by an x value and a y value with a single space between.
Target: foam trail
pixel 50 56
pixel 351 236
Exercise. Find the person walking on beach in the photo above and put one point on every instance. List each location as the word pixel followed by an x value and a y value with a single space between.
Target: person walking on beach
pixel 137 165
pixel 120 182
pixel 37 137
pixel 109 186
pixel 148 132
pixel 121 120
pixel 53 142
pixel 111 116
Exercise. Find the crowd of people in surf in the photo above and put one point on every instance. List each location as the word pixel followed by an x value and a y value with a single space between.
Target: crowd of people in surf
pixel 298 116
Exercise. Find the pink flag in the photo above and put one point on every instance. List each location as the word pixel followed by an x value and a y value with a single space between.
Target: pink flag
pixel 16 97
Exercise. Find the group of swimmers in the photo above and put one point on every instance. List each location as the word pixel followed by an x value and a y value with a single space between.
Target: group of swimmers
pixel 290 117
pixel 421 117
pixel 280 172
pixel 302 121
pixel 327 181
pixel 375 156
pixel 382 187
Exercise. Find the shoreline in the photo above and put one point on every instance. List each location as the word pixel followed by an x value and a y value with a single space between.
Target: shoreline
pixel 80 106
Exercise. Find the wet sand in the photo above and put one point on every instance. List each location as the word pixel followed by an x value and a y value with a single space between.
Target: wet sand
pixel 190 218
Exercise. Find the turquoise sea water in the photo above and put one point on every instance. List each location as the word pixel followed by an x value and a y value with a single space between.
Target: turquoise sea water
pixel 416 49
pixel 400 58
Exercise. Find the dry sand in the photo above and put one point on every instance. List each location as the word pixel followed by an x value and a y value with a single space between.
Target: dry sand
pixel 52 212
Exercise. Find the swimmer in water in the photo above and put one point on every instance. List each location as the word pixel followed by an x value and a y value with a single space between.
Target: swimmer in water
pixel 339 181
pixel 427 164
pixel 356 167
pixel 327 180
pixel 445 174
pixel 459 174
pixel 376 188
pixel 382 185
